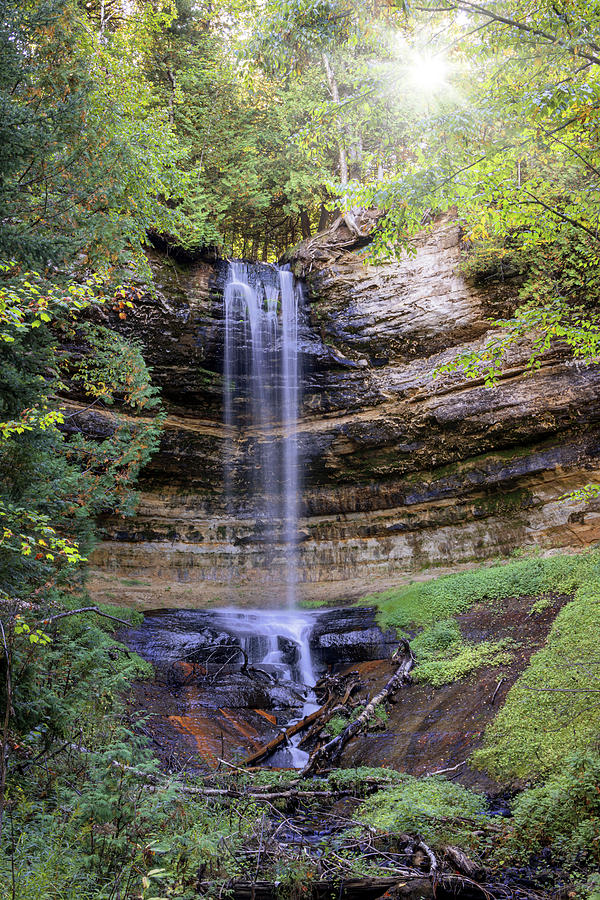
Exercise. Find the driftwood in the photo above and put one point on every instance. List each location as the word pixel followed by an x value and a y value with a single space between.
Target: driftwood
pixel 463 864
pixel 433 863
pixel 317 719
pixel 332 750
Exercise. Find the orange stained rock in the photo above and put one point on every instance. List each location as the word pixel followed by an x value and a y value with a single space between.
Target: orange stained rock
pixel 247 730
pixel 266 716
pixel 196 727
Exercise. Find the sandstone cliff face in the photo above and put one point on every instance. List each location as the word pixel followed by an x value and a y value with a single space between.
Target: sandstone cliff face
pixel 404 473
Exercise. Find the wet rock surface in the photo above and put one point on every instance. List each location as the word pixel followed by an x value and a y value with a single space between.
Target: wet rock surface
pixel 227 681
pixel 197 716
pixel 344 636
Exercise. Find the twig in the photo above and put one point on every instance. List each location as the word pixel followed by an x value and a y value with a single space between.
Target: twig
pixel 495 694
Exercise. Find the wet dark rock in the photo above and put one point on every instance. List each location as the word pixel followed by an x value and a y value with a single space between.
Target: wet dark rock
pixel 290 651
pixel 162 646
pixel 238 691
pixel 342 636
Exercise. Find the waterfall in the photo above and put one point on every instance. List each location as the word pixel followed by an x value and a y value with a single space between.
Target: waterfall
pixel 262 393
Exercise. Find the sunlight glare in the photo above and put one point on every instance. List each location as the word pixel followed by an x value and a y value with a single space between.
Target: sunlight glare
pixel 429 73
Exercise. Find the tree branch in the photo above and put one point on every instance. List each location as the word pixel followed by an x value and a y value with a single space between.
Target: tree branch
pixel 83 609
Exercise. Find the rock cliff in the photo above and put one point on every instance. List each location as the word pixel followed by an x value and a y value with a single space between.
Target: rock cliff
pixel 404 472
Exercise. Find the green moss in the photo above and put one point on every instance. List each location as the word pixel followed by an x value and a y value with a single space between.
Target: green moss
pixel 424 603
pixel 468 659
pixel 336 725
pixel 553 709
pixel 436 809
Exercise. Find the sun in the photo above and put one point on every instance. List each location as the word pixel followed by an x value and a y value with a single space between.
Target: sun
pixel 429 73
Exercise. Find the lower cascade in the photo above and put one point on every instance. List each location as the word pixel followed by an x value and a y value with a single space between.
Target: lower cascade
pixel 274 645
pixel 250 670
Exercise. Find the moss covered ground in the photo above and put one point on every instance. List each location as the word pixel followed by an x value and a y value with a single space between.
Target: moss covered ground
pixel 553 710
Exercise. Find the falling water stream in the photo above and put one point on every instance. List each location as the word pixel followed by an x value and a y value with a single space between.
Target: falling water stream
pixel 263 634
pixel 261 398
pixel 262 393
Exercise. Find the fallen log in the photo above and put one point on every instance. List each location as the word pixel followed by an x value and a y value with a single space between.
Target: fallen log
pixel 412 886
pixel 355 888
pixel 282 737
pixel 463 863
pixel 433 865
pixel 332 750
pixel 321 716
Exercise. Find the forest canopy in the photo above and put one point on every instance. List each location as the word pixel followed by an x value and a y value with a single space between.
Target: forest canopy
pixel 246 126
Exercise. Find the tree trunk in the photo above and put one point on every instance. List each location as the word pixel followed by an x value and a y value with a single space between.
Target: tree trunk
pixel 335 96
pixel 324 216
pixel 305 223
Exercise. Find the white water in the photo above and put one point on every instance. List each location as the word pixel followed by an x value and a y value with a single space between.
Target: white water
pixel 261 400
pixel 262 393
pixel 259 632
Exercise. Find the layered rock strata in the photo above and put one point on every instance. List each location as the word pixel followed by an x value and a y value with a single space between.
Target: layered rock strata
pixel 403 472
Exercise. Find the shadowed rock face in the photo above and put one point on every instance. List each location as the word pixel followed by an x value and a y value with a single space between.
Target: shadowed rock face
pixel 403 472
pixel 343 636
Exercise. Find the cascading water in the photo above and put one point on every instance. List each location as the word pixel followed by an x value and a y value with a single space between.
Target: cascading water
pixel 262 393
pixel 275 642
pixel 261 401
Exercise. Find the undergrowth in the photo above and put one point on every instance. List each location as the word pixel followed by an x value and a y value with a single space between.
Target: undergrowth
pixel 553 709
pixel 564 813
pixel 438 810
pixel 82 818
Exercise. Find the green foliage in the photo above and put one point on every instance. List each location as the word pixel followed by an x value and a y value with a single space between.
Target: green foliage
pixel 359 776
pixel 443 656
pixel 336 725
pixel 441 663
pixel 87 825
pixel 53 476
pixel 552 711
pixel 88 165
pixel 436 809
pixel 508 141
pixel 563 813
pixel 428 602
